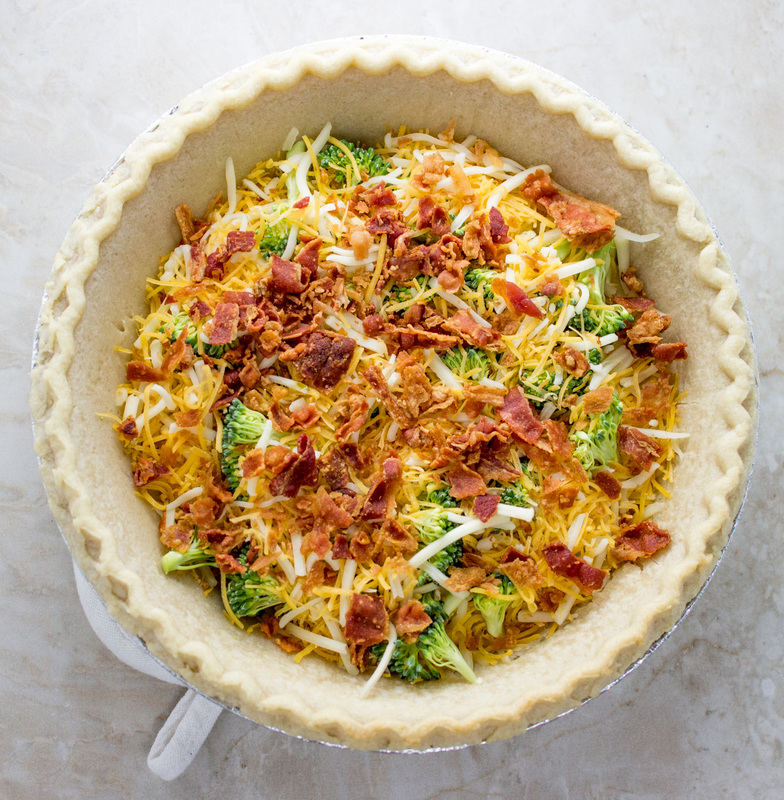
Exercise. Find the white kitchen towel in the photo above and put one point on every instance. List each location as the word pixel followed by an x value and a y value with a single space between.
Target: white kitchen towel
pixel 191 721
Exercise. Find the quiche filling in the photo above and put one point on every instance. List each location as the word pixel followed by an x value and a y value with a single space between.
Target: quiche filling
pixel 404 407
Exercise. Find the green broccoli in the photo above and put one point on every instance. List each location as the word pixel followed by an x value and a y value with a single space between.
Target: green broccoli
pixel 437 649
pixel 192 338
pixel 544 388
pixel 595 356
pixel 432 525
pixel 249 594
pixel 406 662
pixel 241 426
pixel 341 168
pixel 441 497
pixel 476 278
pixel 515 495
pixel 195 556
pixel 493 607
pixel 405 293
pixel 598 445
pixel 274 240
pixel 471 363
pixel 598 317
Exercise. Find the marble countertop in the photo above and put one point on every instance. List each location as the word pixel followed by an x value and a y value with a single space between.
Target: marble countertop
pixel 703 717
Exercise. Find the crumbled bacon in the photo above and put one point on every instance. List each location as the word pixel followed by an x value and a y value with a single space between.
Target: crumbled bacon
pixel 655 400
pixel 301 472
pixel 522 571
pixel 641 540
pixel 361 547
pixel 433 168
pixel 499 230
pixel 485 506
pixel 176 537
pixel 325 360
pixel 465 482
pixel 307 258
pixel 478 244
pixel 609 484
pixel 465 326
pixel 374 324
pixel 394 407
pixel 204 511
pixel 303 202
pixel 463 188
pixel 563 562
pixel 411 620
pixel 519 415
pixel 519 302
pixel 381 495
pixel 141 371
pixel 146 470
pixel 573 361
pixel 288 277
pixel 393 539
pixel 386 221
pixel 552 286
pixel 558 493
pixel 461 579
pixel 221 540
pixel 433 216
pixel 316 541
pixel 229 565
pixel 549 599
pixel 222 328
pixel 630 279
pixel 669 351
pixel 239 242
pixel 477 397
pixel 334 468
pixel 417 390
pixel 637 450
pixel 633 303
pixel 366 620
pixel 648 327
pixel 127 427
pixel 598 401
pixel 240 298
pixel 411 337
pixel 340 547
pixel 380 195
pixel 585 222
pixel 358 411
pixel 328 512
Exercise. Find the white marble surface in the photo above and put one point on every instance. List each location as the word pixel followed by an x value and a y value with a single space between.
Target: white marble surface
pixel 702 717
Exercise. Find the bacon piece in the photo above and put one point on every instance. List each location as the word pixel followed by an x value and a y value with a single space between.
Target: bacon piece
pixel 669 351
pixel 558 493
pixel 308 257
pixel 478 242
pixel 640 541
pixel 499 230
pixel 549 599
pixel 519 415
pixel 380 195
pixel 175 354
pixel 176 537
pixel 394 407
pixel 573 361
pixel 522 571
pixel 381 495
pixel 492 468
pixel 374 324
pixel 411 337
pixel 465 482
pixel 318 575
pixel 552 286
pixel 301 472
pixel 316 541
pixel 609 484
pixel 140 371
pixel 465 326
pixel 288 277
pixel 388 222
pixel 631 280
pixel 598 401
pixel 433 168
pixel 222 329
pixel 127 427
pixel 477 397
pixel 222 540
pixel 640 451
pixel 229 565
pixel 411 620
pixel 585 222
pixel 633 303
pixel 433 216
pixel 240 298
pixel 485 506
pixel 358 411
pixel 648 327
pixel 563 562
pixel 199 310
pixel 360 547
pixel 327 511
pixel 417 390
pixel 461 579
pixel 184 218
pixel 303 202
pixel 393 539
pixel 366 621
pixel 325 360
pixel 253 464
pixel 146 470
pixel 655 400
pixel 519 302
pixel 239 242
pixel 463 188
pixel 340 547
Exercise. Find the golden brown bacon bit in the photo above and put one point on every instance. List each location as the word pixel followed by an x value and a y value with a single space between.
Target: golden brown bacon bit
pixel 307 258
pixel 609 484
pixel 485 506
pixel 287 277
pixel 631 280
pixel 222 540
pixel 417 390
pixel 380 195
pixel 499 230
pixel 598 401
pixel 669 351
pixel 386 221
pixel 361 547
pixel 141 371
pixel 558 493
pixel 492 468
pixel 433 168
pixel 394 407
pixel 549 599
pixel 328 512
pixel 411 620
pixel 360 241
pixel 393 539
pixel 340 547
pixel 633 303
pixel 325 360
pixel 463 188
pixel 648 327
pixel 465 326
pixel 204 511
pixel 366 621
pixel 641 540
pixel 176 537
pixel 319 575
pixel 127 427
pixel 381 495
pixel 519 415
pixel 185 220
pixel 573 361
pixel 522 572
pixel 222 328
pixel 465 482
pixel 239 242
pixel 638 451
pixel 478 242
pixel 358 407
pixel 552 286
pixel 301 472
pixel 461 579
pixel 477 397
pixel 433 216
pixel 315 541
pixel 146 470
pixel 519 302
pixel 655 400
pixel 563 562
pixel 585 222
pixel 411 337
pixel 229 565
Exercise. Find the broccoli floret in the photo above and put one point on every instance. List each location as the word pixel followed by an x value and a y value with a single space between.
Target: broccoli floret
pixel 515 495
pixel 598 445
pixel 493 607
pixel 249 594
pixel 334 159
pixel 195 556
pixel 544 388
pixel 431 525
pixel 476 278
pixel 406 662
pixel 471 363
pixel 405 293
pixel 274 240
pixel 595 356
pixel 598 317
pixel 192 337
pixel 241 426
pixel 441 497
pixel 438 649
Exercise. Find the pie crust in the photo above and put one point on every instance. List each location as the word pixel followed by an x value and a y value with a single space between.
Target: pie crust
pixel 365 86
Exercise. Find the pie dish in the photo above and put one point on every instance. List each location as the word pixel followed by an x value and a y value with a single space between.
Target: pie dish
pixel 371 85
